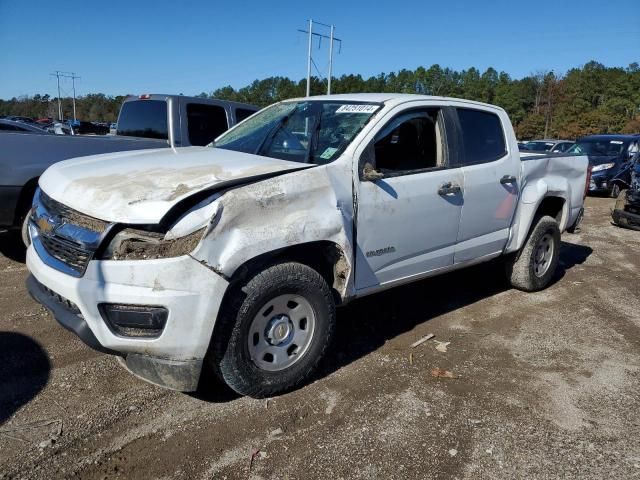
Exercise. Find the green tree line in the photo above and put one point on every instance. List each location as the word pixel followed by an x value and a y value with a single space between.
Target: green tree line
pixel 585 100
pixel 91 107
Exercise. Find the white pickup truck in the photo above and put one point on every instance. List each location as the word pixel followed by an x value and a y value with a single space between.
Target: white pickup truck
pixel 233 257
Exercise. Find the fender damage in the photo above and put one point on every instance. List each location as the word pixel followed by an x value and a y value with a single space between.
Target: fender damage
pixel 268 216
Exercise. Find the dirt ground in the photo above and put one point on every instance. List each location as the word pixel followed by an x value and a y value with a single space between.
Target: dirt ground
pixel 547 385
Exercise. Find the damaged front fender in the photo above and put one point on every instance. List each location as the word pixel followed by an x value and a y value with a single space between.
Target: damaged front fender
pixel 303 207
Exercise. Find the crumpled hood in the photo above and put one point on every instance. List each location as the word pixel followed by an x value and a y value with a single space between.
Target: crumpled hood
pixel 140 187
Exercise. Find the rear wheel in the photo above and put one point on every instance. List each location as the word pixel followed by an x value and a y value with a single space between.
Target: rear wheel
pixel 274 330
pixel 533 267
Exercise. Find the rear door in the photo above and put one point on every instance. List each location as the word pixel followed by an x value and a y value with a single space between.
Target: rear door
pixel 491 178
pixel 407 221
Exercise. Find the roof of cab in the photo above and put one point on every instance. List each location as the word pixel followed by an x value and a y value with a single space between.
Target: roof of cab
pixel 389 98
pixel 209 100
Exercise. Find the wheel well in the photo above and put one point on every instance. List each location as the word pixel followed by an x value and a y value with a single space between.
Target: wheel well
pixel 325 257
pixel 551 206
pixel 24 201
pixel 621 183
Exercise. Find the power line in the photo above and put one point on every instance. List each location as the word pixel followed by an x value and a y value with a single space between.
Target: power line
pixel 310 60
pixel 73 78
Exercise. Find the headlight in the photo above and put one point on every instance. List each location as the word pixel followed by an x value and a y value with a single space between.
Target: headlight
pixel 134 244
pixel 603 166
pixel 181 239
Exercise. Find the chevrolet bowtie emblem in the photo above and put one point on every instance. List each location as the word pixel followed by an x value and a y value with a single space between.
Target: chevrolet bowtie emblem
pixel 45 224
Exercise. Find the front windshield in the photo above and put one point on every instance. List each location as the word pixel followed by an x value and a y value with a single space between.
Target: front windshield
pixel 306 131
pixel 598 147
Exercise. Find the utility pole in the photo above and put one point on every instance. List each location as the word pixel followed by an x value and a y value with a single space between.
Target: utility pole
pixel 309 58
pixel 330 61
pixel 57 75
pixel 320 36
pixel 73 77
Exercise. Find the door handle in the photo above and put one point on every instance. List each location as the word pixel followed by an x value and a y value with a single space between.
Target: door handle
pixel 449 188
pixel 507 179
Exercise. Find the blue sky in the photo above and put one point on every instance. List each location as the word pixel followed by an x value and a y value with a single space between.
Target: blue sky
pixel 193 46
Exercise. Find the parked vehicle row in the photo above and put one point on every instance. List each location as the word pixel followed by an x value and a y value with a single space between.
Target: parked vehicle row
pixel 546 146
pixel 611 158
pixel 75 126
pixel 145 122
pixel 14 126
pixel 233 257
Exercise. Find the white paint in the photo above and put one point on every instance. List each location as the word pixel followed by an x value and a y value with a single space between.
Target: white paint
pixel 255 213
pixel 140 187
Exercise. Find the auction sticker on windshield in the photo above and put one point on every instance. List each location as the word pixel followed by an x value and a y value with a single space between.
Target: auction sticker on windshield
pixel 357 108
pixel 328 153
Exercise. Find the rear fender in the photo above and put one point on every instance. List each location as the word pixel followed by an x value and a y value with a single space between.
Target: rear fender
pixel 531 199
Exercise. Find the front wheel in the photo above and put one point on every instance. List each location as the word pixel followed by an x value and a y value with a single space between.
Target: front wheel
pixel 274 330
pixel 615 191
pixel 533 267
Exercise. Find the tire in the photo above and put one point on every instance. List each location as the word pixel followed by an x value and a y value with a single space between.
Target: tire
pixel 527 270
pixel 263 345
pixel 615 191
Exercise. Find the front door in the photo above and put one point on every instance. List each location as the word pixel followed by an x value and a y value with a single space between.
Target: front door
pixel 407 221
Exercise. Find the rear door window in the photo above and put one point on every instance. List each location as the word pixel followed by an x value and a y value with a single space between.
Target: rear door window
pixel 482 134
pixel 205 123
pixel 144 118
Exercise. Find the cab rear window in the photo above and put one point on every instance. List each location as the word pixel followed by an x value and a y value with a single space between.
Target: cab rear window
pixel 144 118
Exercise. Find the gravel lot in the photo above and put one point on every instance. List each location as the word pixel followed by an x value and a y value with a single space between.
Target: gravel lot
pixel 547 385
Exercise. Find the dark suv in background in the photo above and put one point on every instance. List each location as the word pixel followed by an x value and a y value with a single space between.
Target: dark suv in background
pixel 611 158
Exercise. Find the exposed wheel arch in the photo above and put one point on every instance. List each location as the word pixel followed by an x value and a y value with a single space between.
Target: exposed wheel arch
pixel 550 206
pixel 324 256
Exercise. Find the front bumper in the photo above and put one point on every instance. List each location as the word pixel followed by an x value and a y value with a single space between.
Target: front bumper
pixel 627 219
pixel 66 313
pixel 190 291
pixel 600 183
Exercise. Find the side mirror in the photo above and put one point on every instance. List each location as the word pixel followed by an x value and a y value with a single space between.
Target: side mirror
pixel 370 174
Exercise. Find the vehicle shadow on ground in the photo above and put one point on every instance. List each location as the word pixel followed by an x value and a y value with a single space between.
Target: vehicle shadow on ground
pixel 366 324
pixel 213 390
pixel 24 371
pixel 570 256
pixel 11 246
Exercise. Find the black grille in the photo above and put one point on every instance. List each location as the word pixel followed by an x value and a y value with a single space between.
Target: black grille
pixel 69 215
pixel 67 252
pixel 68 304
